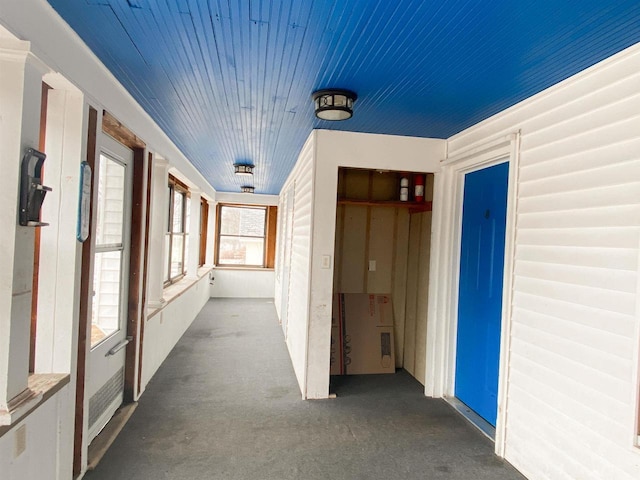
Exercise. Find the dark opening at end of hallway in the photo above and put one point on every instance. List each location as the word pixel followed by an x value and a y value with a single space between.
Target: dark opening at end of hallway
pixel 226 405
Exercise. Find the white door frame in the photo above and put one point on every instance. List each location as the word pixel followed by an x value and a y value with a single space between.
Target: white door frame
pixel 115 151
pixel 444 268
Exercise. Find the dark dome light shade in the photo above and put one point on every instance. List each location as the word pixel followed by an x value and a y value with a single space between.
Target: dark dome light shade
pixel 334 104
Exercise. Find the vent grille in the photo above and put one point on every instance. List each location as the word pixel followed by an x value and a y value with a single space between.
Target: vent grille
pixel 105 396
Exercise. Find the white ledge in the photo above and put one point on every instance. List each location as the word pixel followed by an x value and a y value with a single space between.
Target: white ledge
pixel 173 291
pixel 19 406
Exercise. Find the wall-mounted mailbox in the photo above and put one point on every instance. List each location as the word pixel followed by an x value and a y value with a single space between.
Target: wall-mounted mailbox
pixel 32 192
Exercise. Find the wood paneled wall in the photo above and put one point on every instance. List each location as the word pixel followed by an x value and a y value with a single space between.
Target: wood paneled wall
pixel 399 243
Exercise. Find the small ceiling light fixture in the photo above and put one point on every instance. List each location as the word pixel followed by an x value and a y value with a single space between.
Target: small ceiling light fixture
pixel 334 103
pixel 247 189
pixel 243 169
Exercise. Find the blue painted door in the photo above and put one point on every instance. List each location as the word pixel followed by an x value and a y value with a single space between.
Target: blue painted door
pixel 484 214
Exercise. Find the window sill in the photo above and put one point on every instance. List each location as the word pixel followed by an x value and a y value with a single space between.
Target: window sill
pixel 241 269
pixel 174 290
pixel 40 387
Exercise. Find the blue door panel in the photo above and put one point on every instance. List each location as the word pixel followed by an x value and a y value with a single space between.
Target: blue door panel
pixel 480 291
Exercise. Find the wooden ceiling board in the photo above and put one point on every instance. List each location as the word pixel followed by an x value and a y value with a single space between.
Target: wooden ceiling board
pixel 231 80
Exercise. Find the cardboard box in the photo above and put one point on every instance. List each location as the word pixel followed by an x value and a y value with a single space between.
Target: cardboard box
pixel 362 334
pixel 367 309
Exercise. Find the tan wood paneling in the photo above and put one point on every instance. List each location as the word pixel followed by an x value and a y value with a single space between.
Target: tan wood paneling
pixel 412 293
pixel 398 239
pixel 422 297
pixel 381 235
pixel 356 183
pixel 399 281
pixel 384 186
pixel 354 249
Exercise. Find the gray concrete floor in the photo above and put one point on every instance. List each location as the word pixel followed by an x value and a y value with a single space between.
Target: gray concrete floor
pixel 226 405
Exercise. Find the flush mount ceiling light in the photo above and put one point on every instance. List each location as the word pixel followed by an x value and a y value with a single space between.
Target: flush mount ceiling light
pixel 247 189
pixel 243 169
pixel 334 104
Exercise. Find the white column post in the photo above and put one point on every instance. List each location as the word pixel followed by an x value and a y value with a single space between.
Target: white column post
pixel 158 228
pixel 60 252
pixel 211 233
pixel 20 94
pixel 194 234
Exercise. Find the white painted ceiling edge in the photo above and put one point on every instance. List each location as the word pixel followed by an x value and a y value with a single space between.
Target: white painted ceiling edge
pixel 57 45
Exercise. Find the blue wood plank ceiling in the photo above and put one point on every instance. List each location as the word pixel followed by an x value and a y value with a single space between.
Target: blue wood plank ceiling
pixel 231 80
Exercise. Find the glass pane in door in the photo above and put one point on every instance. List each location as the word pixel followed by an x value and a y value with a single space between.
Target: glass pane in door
pixel 107 267
pixel 105 317
pixel 111 190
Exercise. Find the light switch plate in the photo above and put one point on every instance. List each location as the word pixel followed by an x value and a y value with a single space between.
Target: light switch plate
pixel 326 261
pixel 372 265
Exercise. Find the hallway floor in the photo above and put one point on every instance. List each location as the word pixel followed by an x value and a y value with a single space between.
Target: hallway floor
pixel 226 405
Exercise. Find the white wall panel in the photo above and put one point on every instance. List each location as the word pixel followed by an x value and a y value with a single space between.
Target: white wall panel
pixel 573 374
pixel 44 439
pixel 164 329
pixel 240 283
pixel 296 300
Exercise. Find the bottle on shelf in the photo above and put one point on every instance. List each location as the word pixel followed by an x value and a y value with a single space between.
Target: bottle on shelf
pixel 419 188
pixel 404 188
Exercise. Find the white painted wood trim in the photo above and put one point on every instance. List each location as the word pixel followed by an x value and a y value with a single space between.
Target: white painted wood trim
pixel 314 156
pixel 443 281
pixel 636 367
pixel 507 294
pixel 473 151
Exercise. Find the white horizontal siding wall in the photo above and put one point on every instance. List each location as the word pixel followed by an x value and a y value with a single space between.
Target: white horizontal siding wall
pixel 296 302
pixel 282 220
pixel 573 374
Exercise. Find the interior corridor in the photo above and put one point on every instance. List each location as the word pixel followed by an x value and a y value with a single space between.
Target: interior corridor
pixel 226 405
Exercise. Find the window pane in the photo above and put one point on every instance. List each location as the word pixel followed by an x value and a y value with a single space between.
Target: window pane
pixel 167 237
pixel 111 188
pixel 106 295
pixel 170 200
pixel 186 250
pixel 242 221
pixel 178 225
pixel 187 224
pixel 241 251
pixel 176 255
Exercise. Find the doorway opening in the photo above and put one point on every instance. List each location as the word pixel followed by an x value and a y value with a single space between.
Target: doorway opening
pixel 381 273
pixel 112 285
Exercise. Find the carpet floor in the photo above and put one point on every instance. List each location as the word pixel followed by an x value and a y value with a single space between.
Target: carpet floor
pixel 226 405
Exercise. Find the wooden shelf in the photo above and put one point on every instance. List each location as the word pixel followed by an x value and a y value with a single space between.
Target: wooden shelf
pixel 414 207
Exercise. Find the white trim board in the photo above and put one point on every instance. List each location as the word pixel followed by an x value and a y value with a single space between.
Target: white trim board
pixel 443 281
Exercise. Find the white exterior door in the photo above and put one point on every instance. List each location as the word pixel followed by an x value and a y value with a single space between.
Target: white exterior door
pixel 105 375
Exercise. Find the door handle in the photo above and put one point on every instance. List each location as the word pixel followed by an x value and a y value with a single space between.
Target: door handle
pixel 118 346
